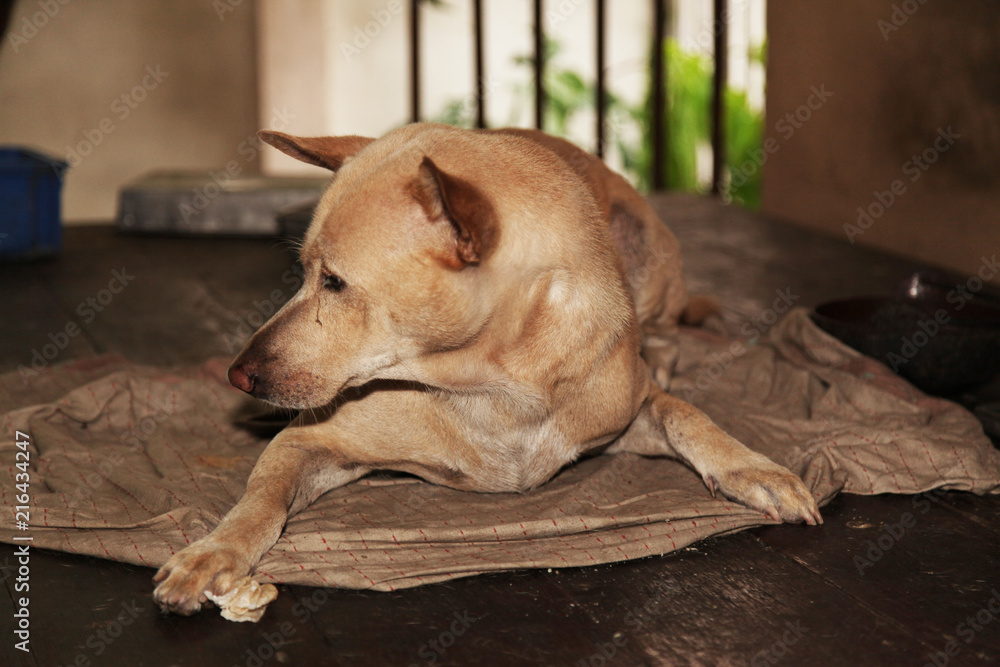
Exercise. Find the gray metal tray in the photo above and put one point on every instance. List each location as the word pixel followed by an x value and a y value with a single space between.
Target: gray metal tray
pixel 203 203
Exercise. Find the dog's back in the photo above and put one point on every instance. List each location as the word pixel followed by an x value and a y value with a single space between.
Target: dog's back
pixel 650 254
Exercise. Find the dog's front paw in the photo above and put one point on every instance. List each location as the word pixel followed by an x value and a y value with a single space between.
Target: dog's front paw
pixel 769 488
pixel 203 566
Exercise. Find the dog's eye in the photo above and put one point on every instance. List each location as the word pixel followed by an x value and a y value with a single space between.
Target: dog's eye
pixel 333 283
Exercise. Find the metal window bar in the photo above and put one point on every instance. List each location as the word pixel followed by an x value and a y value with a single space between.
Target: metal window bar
pixel 415 61
pixel 600 104
pixel 719 76
pixel 477 11
pixel 658 130
pixel 539 66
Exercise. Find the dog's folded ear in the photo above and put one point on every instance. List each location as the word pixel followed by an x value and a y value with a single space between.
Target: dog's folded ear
pixel 470 214
pixel 329 152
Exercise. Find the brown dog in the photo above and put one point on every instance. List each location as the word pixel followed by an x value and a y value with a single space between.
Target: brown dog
pixel 484 288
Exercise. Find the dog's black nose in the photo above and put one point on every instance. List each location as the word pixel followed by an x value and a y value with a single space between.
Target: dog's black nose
pixel 240 378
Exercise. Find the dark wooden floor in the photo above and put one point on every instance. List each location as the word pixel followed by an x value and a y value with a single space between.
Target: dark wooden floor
pixel 786 594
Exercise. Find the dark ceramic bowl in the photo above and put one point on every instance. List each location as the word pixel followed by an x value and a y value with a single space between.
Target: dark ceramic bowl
pixel 935 331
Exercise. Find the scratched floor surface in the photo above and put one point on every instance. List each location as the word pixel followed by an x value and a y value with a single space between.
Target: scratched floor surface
pixel 887 580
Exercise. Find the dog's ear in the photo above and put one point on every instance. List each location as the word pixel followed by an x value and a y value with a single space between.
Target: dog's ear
pixel 329 152
pixel 470 214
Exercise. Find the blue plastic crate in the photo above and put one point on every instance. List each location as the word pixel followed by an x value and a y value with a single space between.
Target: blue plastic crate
pixel 30 186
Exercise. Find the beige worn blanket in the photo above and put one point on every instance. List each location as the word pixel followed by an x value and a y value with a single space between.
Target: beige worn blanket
pixel 133 463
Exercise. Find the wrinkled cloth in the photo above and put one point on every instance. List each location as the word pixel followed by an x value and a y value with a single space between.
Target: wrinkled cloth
pixel 133 463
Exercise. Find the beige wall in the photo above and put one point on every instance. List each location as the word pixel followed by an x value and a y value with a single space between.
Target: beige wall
pixel 892 90
pixel 63 83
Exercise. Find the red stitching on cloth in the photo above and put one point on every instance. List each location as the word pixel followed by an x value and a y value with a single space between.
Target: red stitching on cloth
pixel 209 414
pixel 66 540
pixel 903 458
pixel 127 510
pixel 266 574
pixel 319 531
pixel 98 512
pixel 170 493
pixel 97 404
pixel 166 443
pixel 183 534
pixel 225 489
pixel 372 581
pixel 875 447
pixel 972 481
pixel 317 572
pixel 289 559
pixel 135 546
pixel 170 547
pixel 931 459
pixel 863 469
pixel 101 542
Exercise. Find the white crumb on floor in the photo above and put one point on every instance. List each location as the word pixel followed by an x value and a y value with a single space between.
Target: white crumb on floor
pixel 246 601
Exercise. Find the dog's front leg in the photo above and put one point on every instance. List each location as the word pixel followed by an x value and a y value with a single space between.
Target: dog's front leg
pixel 668 426
pixel 294 470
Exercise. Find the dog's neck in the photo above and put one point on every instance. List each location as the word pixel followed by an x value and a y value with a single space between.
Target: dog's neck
pixel 502 357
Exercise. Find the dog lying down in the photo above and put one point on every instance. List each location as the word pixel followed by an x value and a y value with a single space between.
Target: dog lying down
pixel 471 314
